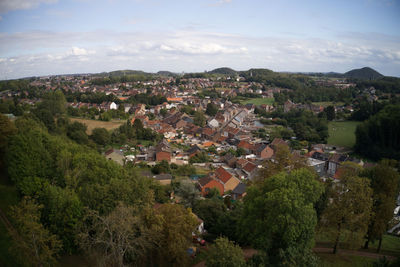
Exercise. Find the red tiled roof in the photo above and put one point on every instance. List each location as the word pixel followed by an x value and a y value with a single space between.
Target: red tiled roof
pixel 249 167
pixel 223 175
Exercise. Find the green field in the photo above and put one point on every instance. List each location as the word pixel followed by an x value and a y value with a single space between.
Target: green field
pixel 342 133
pixel 258 101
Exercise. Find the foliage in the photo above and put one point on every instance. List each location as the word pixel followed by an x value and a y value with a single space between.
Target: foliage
pixel 385 182
pixel 175 235
pixel 330 113
pixel 224 253
pixel 101 136
pixel 212 109
pixel 199 119
pixel 33 244
pixel 349 209
pixel 279 217
pixel 188 192
pixel 379 136
pixel 122 237
pixel 200 157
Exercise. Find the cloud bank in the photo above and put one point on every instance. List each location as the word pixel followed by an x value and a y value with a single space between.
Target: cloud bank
pixel 97 51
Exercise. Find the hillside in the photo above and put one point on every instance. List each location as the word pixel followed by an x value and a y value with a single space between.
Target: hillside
pixel 224 71
pixel 365 73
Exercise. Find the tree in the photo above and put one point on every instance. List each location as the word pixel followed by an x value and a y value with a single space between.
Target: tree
pixel 7 129
pixel 101 136
pixel 284 161
pixel 348 214
pixel 279 217
pixel 163 112
pixel 32 244
pixel 199 119
pixel 330 113
pixel 212 109
pixel 385 185
pixel 117 239
pixel 188 193
pixel 224 253
pixel 379 136
pixel 175 235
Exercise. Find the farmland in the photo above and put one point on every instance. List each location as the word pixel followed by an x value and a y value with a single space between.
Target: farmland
pixel 91 124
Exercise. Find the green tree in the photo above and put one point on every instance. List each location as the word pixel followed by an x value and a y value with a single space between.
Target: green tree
pixel 32 244
pixel 212 109
pixel 7 129
pixel 117 239
pixel 348 213
pixel 330 113
pixel 224 253
pixel 101 136
pixel 199 119
pixel 279 217
pixel 175 235
pixel 188 192
pixel 163 112
pixel 385 181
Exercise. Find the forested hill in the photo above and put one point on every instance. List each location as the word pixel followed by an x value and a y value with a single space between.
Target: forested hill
pixel 365 73
pixel 224 71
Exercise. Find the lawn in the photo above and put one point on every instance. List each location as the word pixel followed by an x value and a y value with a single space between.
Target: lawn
pixel 342 133
pixel 331 260
pixel 390 245
pixel 91 124
pixel 258 101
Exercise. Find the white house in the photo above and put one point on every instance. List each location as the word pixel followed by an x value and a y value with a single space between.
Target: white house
pixel 113 106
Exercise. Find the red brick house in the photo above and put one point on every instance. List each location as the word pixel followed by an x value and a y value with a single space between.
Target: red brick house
pixel 207 183
pixel 163 151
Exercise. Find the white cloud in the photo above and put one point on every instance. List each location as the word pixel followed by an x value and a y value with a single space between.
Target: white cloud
pixel 52 53
pixel 10 5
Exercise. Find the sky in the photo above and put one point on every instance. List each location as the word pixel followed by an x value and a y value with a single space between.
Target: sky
pixel 47 37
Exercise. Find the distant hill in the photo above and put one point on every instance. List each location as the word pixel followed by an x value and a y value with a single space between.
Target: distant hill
pixel 166 73
pixel 224 71
pixel 365 73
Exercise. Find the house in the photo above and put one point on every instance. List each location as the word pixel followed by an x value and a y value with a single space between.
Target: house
pixel 248 147
pixel 318 165
pixel 213 123
pixel 239 191
pixel 334 162
pixel 113 106
pixel 263 151
pixel 163 151
pixel 250 169
pixel 277 142
pixel 115 155
pixel 207 183
pixel 226 178
pixel 288 105
pixel 193 151
pixel 230 160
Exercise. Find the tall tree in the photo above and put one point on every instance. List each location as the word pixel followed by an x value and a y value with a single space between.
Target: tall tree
pixel 330 113
pixel 33 244
pixel 385 181
pixel 224 253
pixel 279 217
pixel 175 235
pixel 117 239
pixel 199 119
pixel 348 214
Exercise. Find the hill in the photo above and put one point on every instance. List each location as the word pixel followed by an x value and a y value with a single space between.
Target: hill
pixel 365 73
pixel 224 71
pixel 166 73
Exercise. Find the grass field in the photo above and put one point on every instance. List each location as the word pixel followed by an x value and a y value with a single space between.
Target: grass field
pixel 342 133
pixel 331 260
pixel 91 124
pixel 258 101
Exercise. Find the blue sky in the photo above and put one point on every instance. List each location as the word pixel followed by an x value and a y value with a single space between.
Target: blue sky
pixel 42 37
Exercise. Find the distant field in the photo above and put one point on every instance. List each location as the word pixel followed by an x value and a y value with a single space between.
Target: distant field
pixel 258 101
pixel 325 104
pixel 91 124
pixel 342 133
